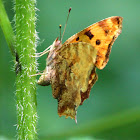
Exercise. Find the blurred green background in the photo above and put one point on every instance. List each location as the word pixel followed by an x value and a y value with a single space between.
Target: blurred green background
pixel 113 109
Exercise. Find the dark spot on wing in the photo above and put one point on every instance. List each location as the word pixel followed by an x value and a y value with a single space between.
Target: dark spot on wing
pixel 89 34
pixel 77 38
pixel 108 51
pixel 102 23
pixel 109 48
pixel 98 42
pixel 106 32
pixel 118 20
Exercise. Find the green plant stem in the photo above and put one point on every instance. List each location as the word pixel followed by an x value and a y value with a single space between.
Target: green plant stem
pixel 7 28
pixel 25 83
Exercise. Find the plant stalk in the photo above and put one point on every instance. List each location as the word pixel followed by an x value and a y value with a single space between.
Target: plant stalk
pixel 7 28
pixel 26 66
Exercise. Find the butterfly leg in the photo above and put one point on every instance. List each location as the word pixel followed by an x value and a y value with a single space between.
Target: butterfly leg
pixel 37 74
pixel 45 77
pixel 42 53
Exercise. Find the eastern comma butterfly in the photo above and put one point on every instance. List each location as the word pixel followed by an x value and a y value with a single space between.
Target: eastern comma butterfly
pixel 71 67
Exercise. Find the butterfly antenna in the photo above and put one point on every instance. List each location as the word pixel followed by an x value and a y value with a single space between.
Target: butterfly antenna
pixel 60 30
pixel 66 23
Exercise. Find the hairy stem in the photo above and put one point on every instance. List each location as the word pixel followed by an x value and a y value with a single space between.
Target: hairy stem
pixel 26 66
pixel 7 28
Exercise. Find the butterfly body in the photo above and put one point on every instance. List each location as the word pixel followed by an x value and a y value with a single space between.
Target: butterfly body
pixel 71 67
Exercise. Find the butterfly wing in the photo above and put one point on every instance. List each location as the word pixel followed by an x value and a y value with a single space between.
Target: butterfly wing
pixel 74 76
pixel 101 35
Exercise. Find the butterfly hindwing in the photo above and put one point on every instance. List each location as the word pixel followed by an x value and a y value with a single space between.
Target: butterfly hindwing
pixel 74 69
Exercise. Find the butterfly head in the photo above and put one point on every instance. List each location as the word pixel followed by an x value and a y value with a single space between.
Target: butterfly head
pixel 56 44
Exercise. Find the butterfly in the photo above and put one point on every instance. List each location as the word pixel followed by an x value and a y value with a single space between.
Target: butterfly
pixel 71 67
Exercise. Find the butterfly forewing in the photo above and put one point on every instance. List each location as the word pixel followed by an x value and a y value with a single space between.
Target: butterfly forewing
pixel 100 35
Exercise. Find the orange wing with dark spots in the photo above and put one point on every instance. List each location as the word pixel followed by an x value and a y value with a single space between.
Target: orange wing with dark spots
pixel 100 35
pixel 71 67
